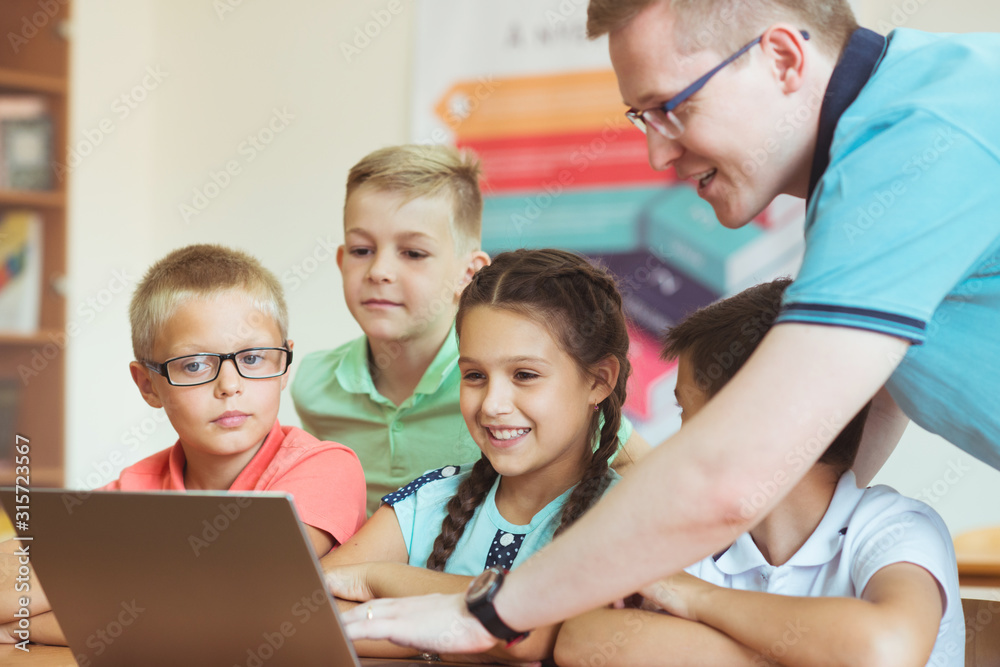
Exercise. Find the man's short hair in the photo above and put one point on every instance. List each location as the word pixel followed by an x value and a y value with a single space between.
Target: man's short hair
pixel 718 339
pixel 200 271
pixel 415 171
pixel 726 25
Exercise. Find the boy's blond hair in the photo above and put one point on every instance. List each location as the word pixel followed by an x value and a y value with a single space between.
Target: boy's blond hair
pixel 200 271
pixel 415 171
pixel 726 25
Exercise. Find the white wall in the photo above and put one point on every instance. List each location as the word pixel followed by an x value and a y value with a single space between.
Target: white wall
pixel 110 226
pixel 934 15
pixel 224 76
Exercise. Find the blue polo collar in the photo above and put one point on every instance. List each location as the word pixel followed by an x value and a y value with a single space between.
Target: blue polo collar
pixel 857 64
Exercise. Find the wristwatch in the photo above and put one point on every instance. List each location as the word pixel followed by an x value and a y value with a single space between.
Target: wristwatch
pixel 479 600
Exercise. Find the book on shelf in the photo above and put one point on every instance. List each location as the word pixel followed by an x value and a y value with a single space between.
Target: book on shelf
pixel 10 396
pixel 25 143
pixel 681 228
pixel 20 272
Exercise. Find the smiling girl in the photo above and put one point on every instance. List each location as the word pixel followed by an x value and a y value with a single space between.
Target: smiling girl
pixel 543 359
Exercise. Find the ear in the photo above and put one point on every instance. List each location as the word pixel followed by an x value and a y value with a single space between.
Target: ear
pixel 290 346
pixel 786 48
pixel 143 380
pixel 605 375
pixel 475 261
pixel 340 258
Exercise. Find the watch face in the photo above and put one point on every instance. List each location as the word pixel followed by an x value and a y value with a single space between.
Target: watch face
pixel 482 584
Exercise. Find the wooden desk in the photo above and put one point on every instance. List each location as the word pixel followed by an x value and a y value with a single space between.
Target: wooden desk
pixel 61 656
pixel 981 575
pixel 968 582
pixel 978 555
pixel 38 656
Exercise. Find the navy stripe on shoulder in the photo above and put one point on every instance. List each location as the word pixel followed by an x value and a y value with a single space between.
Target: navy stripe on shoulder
pixel 862 312
pixel 411 488
pixel 891 324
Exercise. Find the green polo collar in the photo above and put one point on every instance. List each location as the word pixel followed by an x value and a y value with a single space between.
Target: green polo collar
pixel 355 376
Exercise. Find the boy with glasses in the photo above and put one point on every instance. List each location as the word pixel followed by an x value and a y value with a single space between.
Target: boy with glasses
pixel 210 338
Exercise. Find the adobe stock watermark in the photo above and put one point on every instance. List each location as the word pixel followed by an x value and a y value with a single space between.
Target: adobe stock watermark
pixel 796 460
pixel 248 150
pixel 224 7
pixel 271 642
pixel 867 216
pixel 986 619
pixel 792 635
pixel 365 34
pixel 248 327
pixel 967 292
pixel 121 108
pixel 934 492
pixel 886 539
pixel 460 106
pixel 786 127
pixel 901 14
pixel 566 10
pixel 212 529
pixel 102 473
pixel 106 470
pixel 444 303
pixel 634 621
pixel 102 638
pixel 32 24
pixel 298 273
pixel 794 630
pixel 87 311
pixel 581 158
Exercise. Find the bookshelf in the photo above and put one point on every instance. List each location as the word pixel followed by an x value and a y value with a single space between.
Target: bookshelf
pixel 34 62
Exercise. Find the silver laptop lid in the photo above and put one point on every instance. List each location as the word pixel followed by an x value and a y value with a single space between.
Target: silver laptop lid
pixel 182 579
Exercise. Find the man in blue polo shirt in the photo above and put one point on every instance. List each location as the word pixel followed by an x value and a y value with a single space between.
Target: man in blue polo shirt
pixel 894 142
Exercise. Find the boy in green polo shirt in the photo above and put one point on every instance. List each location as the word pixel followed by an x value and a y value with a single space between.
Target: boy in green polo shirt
pixel 412 230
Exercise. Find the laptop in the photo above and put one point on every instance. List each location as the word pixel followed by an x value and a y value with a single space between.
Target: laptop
pixel 183 579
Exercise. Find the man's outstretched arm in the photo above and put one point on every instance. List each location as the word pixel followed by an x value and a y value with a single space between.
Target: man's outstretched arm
pixel 689 497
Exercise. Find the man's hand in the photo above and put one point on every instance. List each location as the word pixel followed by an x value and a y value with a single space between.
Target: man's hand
pixel 436 623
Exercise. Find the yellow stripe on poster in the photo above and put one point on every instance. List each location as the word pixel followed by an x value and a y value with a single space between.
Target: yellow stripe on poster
pixel 488 108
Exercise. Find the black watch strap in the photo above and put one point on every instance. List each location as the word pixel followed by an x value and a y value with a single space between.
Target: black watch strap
pixel 482 608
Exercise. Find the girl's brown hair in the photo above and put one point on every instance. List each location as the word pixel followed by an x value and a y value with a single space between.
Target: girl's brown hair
pixel 581 306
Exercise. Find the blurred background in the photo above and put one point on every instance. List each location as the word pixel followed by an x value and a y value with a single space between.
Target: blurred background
pixel 164 95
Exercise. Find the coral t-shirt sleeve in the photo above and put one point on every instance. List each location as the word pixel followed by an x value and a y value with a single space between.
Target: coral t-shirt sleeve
pixel 328 487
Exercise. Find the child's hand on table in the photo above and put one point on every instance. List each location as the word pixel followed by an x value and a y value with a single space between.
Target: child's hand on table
pixel 350 582
pixel 6 633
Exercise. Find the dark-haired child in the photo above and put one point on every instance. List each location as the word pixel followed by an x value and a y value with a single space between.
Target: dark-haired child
pixel 543 357
pixel 833 574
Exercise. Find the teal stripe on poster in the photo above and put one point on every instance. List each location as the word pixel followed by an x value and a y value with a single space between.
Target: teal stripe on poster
pixel 586 221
